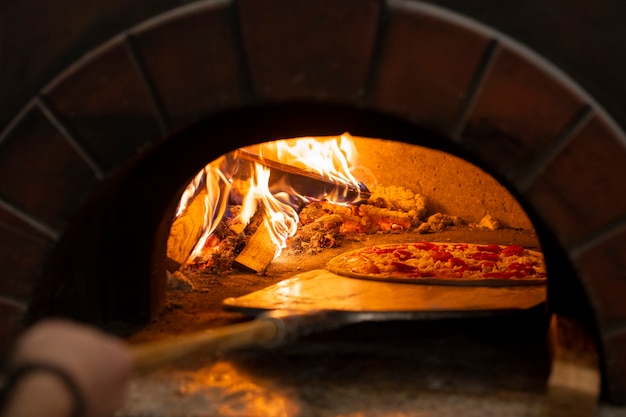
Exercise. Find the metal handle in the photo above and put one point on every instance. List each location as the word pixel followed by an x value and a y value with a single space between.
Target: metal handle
pixel 270 329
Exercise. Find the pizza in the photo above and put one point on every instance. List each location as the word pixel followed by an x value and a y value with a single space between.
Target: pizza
pixel 443 263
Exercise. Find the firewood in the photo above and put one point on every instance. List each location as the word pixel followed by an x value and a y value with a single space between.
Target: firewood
pixel 185 232
pixel 574 382
pixel 307 182
pixel 259 251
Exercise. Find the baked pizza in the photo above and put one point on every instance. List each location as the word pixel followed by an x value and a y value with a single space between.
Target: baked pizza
pixel 443 263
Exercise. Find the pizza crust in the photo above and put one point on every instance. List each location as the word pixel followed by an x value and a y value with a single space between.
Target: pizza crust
pixel 439 263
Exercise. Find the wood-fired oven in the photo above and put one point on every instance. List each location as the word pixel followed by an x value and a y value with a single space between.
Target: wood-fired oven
pixel 94 164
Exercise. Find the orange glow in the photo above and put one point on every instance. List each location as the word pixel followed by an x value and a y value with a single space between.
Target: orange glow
pixel 326 158
pixel 231 392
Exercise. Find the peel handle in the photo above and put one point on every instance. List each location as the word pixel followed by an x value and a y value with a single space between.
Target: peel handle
pixel 270 329
pixel 151 355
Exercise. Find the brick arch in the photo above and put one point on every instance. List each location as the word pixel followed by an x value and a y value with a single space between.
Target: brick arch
pixel 508 108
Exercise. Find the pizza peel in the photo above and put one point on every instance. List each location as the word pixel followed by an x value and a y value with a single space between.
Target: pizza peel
pixel 320 300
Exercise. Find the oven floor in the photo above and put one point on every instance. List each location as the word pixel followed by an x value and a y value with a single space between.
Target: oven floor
pixel 489 366
pixel 493 366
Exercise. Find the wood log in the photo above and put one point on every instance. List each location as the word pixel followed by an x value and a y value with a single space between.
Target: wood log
pixel 259 251
pixel 574 382
pixel 185 232
pixel 306 182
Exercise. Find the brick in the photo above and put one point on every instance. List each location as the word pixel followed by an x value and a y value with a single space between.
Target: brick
pixel 603 273
pixel 23 251
pixel 12 324
pixel 614 367
pixel 427 66
pixel 103 102
pixel 41 174
pixel 302 49
pixel 518 113
pixel 193 61
pixel 582 189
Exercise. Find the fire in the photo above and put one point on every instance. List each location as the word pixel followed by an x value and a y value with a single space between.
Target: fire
pixel 280 177
pixel 213 188
pixel 329 157
pixel 280 218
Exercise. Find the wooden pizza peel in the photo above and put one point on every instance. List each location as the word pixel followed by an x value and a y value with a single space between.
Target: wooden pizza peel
pixel 323 290
pixel 320 300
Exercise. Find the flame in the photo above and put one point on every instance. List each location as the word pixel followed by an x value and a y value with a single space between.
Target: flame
pixel 280 218
pixel 215 189
pixel 328 157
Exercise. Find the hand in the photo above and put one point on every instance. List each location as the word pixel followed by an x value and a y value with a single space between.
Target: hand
pixel 99 363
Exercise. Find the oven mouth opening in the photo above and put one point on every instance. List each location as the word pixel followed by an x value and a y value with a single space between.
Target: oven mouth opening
pixel 294 211
pixel 124 229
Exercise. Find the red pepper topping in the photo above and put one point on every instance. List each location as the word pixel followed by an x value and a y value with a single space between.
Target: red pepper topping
pixel 380 251
pixel 488 264
pixel 513 250
pixel 425 246
pixel 486 256
pixel 442 256
pixel 469 268
pixel 457 262
pixel 521 269
pixel 402 267
pixel 490 248
pixel 403 255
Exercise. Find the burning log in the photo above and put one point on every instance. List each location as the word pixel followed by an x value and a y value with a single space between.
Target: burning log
pixel 307 183
pixel 185 232
pixel 259 251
